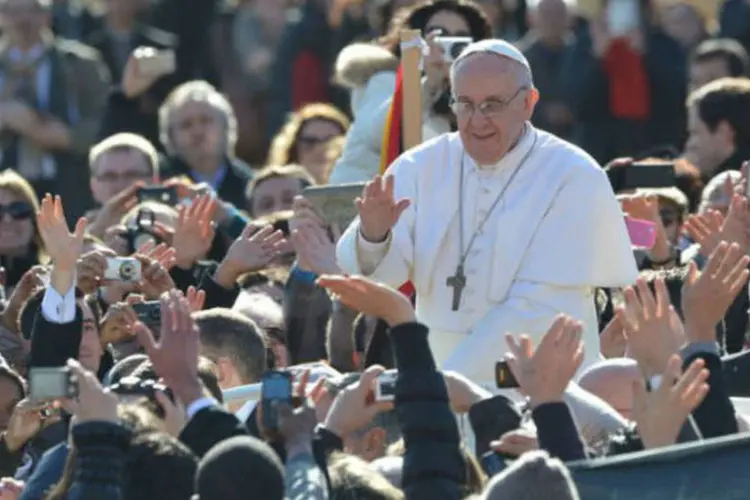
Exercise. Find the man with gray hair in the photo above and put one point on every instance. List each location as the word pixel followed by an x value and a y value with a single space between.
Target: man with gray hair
pixel 500 226
pixel 532 477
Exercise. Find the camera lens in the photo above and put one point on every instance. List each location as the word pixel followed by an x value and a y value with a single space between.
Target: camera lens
pixel 127 271
pixel 457 48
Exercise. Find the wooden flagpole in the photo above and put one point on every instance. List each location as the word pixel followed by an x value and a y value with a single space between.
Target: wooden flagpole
pixel 411 56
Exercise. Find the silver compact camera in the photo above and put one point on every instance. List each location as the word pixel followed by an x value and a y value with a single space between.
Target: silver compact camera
pixel 452 46
pixel 47 384
pixel 385 386
pixel 123 269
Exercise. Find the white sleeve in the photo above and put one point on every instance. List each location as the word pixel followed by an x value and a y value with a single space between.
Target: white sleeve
pixel 58 308
pixel 371 254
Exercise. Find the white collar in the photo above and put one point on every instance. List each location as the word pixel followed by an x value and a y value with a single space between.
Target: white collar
pixel 244 412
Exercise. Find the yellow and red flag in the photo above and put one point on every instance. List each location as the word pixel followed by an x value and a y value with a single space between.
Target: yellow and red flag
pixel 392 145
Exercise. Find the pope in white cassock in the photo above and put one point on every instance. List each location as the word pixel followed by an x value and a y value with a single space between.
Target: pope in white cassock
pixel 499 226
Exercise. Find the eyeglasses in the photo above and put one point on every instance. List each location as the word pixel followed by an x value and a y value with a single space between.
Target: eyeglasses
pixel 311 141
pixel 18 210
pixel 125 176
pixel 489 108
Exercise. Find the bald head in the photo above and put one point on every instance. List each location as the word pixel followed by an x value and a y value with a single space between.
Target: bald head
pixel 612 380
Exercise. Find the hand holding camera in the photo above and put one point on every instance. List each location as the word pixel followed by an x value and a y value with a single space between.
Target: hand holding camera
pixel 145 66
pixel 355 406
pixel 118 322
pixel 91 402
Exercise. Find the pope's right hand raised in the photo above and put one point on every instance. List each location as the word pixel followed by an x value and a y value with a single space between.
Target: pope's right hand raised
pixel 378 209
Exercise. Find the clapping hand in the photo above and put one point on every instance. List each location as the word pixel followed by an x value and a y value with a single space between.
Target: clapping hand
pixel 370 297
pixel 63 247
pixel 378 209
pixel 545 372
pixel 251 251
pixel 705 229
pixel 660 414
pixel 652 327
pixel 175 355
pixel 706 296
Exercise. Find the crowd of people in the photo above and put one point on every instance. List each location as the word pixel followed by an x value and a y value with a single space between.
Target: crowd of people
pixel 162 267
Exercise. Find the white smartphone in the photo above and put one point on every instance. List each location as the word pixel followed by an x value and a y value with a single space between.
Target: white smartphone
pixel 123 269
pixel 385 386
pixel 152 61
pixel 623 16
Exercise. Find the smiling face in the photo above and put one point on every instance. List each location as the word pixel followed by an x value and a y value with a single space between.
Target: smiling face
pixel 494 99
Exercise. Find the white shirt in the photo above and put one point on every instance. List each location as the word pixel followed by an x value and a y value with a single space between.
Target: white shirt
pixel 557 233
pixel 59 309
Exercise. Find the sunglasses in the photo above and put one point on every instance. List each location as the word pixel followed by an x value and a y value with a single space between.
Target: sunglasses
pixel 18 210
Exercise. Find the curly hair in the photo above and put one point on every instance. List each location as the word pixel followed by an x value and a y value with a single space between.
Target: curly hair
pixel 417 16
pixel 283 149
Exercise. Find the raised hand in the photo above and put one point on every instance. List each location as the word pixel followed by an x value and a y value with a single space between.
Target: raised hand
pixel 251 251
pixel 94 403
pixel 62 246
pixel 194 232
pixel 612 339
pixel 705 229
pixel 354 407
pixel 652 327
pixel 315 250
pixel 155 278
pixel 175 355
pixel 118 323
pixel 659 415
pixel 113 210
pixel 378 209
pixel 162 253
pixel 545 372
pixel 706 296
pixel 196 298
pixel 25 422
pixel 31 282
pixel 370 297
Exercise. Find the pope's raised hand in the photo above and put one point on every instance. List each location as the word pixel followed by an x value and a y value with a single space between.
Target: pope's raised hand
pixel 378 209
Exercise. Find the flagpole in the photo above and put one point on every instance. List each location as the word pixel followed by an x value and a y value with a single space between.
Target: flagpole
pixel 411 56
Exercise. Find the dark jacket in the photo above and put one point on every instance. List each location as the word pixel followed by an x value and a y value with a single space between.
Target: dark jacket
pixel 433 463
pixel 586 89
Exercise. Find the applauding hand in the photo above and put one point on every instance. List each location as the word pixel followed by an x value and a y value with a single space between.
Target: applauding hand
pixel 652 327
pixel 378 209
pixel 706 296
pixel 194 233
pixel 545 372
pixel 661 413
pixel 371 298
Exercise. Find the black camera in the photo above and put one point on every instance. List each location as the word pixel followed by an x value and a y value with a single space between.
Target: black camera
pixel 149 313
pixel 143 231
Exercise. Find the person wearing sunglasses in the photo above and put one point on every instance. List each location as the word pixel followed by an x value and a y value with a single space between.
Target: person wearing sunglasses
pixel 20 244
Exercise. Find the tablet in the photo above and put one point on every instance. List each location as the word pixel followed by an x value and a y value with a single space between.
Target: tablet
pixel 335 204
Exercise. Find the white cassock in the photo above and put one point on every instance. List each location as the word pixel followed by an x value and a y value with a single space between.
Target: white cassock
pixel 557 232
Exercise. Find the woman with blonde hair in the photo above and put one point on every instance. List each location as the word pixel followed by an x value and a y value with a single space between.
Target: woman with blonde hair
pixel 21 246
pixel 304 138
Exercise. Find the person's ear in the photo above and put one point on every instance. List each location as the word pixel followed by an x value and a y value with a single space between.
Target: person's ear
pixel 530 102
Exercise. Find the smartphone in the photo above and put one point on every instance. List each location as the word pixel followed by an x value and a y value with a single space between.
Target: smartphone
pixel 160 194
pixel 123 269
pixel 385 386
pixel 149 313
pixel 642 175
pixel 275 386
pixel 46 384
pixel 335 204
pixel 642 232
pixel 155 62
pixel 623 16
pixel 504 378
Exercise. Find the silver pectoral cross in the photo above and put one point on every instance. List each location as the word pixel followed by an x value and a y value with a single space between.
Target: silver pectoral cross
pixel 458 283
